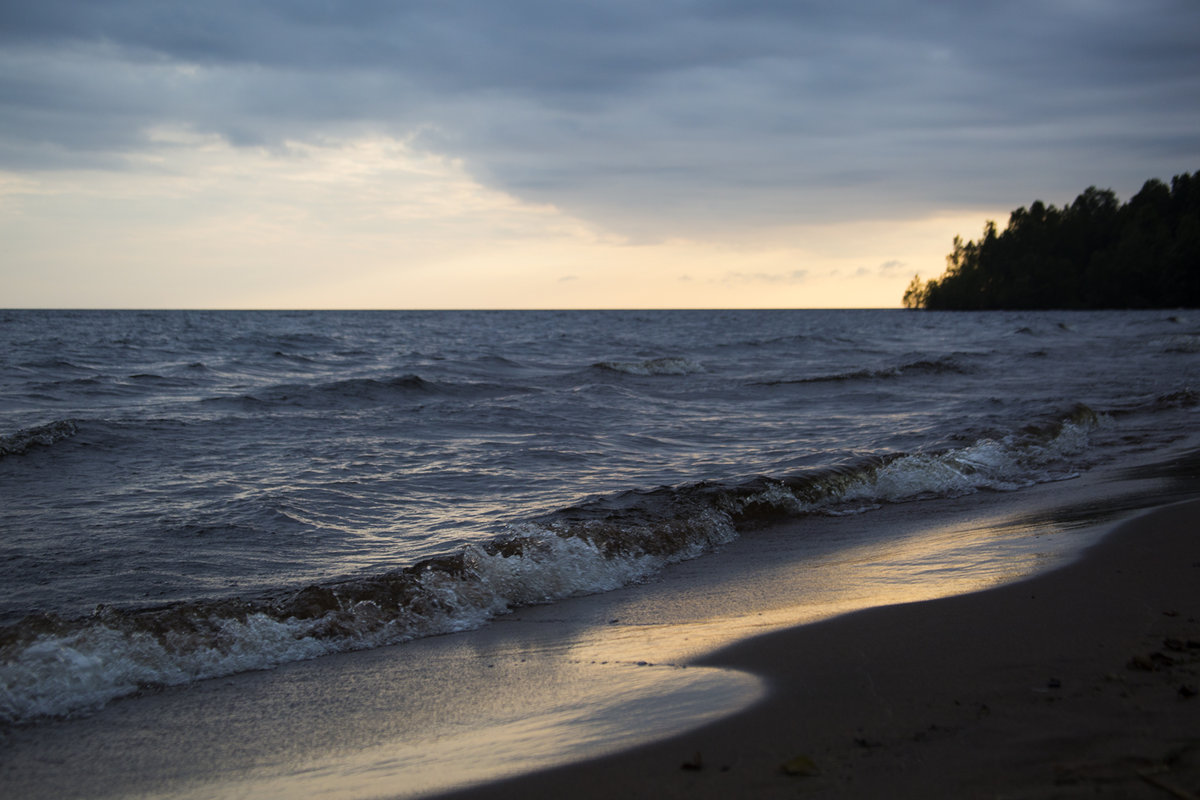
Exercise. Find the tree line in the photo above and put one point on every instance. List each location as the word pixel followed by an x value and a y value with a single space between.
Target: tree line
pixel 1094 253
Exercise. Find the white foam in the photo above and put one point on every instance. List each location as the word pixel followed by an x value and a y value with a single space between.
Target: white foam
pixel 83 670
pixel 1006 464
pixel 999 465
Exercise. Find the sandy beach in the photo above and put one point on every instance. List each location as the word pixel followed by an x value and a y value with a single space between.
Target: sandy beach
pixel 1080 682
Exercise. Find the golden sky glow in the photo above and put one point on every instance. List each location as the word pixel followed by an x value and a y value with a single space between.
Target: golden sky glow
pixel 372 223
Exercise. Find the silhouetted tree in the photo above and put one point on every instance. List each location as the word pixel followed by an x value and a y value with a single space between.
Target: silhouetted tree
pixel 1094 253
pixel 914 295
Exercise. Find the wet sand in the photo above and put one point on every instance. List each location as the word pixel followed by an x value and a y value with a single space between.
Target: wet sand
pixel 1080 682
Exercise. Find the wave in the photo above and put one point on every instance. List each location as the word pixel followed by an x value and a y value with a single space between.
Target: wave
pixel 653 366
pixel 268 341
pixel 1026 330
pixel 1182 398
pixel 55 666
pixel 1181 343
pixel 940 366
pixel 39 436
pixel 52 666
pixel 368 391
pixel 53 364
pixel 155 381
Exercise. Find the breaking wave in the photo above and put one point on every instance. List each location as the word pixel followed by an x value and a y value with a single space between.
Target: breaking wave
pixel 55 666
pixel 52 666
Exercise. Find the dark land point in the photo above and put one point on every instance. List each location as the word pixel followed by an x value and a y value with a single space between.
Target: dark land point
pixel 1093 254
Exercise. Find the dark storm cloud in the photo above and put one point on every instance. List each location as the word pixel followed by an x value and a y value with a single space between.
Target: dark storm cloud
pixel 655 118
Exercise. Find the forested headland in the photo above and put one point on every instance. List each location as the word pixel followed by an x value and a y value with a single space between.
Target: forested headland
pixel 1094 253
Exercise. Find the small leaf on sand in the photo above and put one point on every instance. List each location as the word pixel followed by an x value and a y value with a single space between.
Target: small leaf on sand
pixel 800 765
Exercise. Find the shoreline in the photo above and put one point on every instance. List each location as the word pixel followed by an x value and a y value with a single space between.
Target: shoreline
pixel 1075 682
pixel 547 692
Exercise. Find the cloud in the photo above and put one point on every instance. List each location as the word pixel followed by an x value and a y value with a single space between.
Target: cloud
pixel 887 269
pixel 711 118
pixel 792 277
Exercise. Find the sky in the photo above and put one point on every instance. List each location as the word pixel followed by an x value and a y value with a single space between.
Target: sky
pixel 560 153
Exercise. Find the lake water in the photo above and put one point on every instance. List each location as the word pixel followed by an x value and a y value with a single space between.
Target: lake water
pixel 193 494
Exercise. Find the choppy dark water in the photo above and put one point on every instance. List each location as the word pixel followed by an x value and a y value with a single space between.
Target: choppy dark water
pixel 188 494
